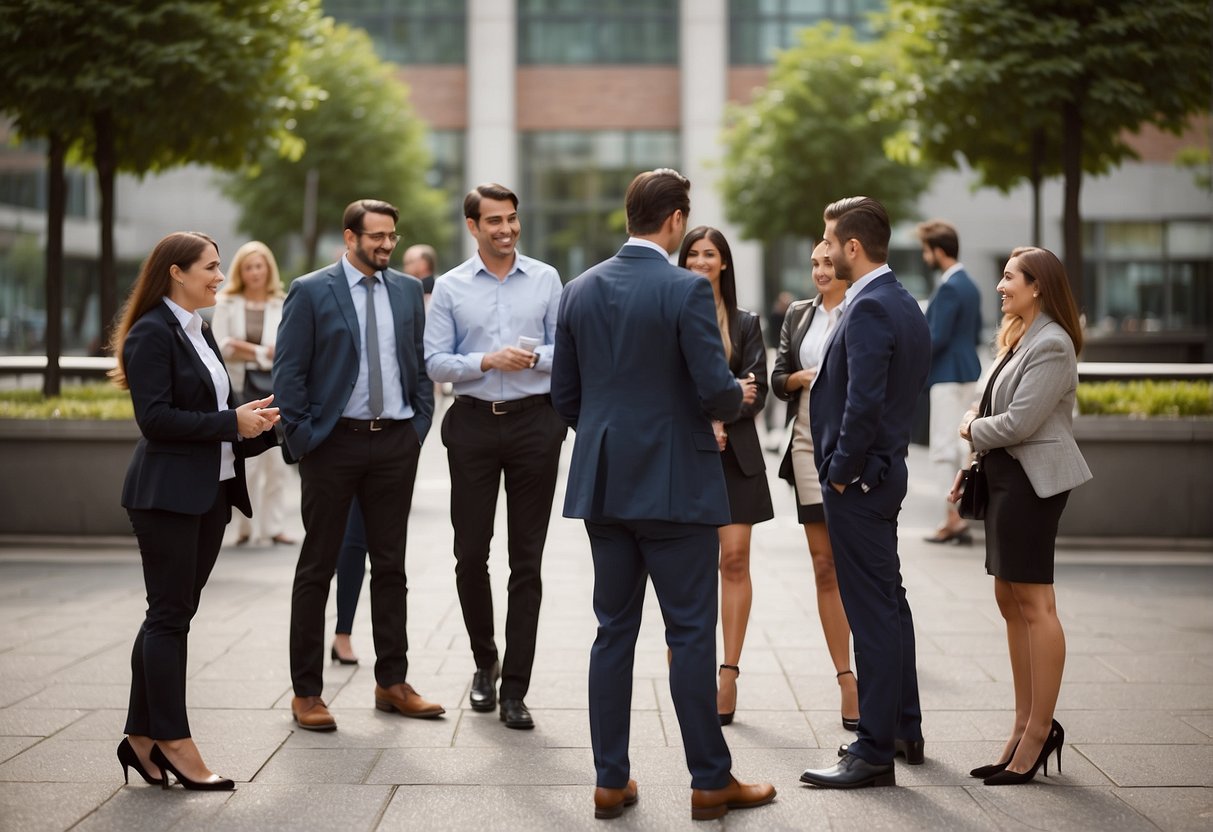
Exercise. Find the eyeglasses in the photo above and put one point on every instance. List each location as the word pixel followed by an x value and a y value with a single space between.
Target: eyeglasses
pixel 379 236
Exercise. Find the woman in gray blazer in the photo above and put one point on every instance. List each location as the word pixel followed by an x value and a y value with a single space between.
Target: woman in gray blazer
pixel 1024 432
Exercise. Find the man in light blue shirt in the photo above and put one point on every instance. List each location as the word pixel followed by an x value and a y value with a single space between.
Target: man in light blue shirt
pixel 489 331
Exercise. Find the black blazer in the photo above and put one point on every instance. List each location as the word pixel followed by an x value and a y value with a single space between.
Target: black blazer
pixel 749 356
pixel 176 463
pixel 787 361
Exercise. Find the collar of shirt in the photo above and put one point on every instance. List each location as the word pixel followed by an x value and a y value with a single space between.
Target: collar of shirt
pixel 352 274
pixel 859 285
pixel 951 270
pixel 478 266
pixel 191 322
pixel 636 241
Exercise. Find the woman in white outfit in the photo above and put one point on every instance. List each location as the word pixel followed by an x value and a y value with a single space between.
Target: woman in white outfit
pixel 245 324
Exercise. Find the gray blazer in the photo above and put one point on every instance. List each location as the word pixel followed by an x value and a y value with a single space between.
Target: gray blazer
pixel 1033 410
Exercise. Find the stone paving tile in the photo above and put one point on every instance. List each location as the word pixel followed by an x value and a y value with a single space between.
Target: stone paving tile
pixel 755 692
pixel 12 746
pixel 25 668
pixel 368 728
pixel 13 692
pixel 143 808
pixel 487 766
pixel 1172 669
pixel 1120 727
pixel 1201 722
pixel 1173 809
pixel 36 807
pixel 1153 765
pixel 35 722
pixel 1045 805
pixel 234 693
pixel 60 761
pixel 301 766
pixel 293 808
pixel 81 696
pixel 553 729
pixel 1135 695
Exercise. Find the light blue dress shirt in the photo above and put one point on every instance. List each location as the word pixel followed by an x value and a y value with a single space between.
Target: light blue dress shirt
pixel 396 405
pixel 472 313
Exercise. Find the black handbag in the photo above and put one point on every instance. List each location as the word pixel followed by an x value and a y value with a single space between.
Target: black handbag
pixel 974 492
pixel 257 384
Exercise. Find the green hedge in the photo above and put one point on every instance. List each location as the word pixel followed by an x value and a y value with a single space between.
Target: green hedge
pixel 98 400
pixel 1146 398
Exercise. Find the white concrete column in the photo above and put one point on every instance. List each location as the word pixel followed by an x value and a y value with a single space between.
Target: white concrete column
pixel 704 64
pixel 492 139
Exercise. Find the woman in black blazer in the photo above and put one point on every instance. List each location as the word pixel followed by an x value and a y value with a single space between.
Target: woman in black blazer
pixel 806 326
pixel 706 251
pixel 186 474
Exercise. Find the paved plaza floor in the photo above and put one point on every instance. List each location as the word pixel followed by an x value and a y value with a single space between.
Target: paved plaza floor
pixel 1137 703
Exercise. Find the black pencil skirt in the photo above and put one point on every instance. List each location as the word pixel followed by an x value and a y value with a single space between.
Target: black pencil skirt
pixel 1021 528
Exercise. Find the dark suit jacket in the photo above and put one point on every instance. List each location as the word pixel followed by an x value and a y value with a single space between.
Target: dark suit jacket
pixel 176 462
pixel 749 356
pixel 639 371
pixel 796 323
pixel 954 316
pixel 861 405
pixel 316 355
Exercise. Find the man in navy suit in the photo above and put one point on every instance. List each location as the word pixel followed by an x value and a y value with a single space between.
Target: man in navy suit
pixel 639 371
pixel 356 405
pixel 954 316
pixel 862 409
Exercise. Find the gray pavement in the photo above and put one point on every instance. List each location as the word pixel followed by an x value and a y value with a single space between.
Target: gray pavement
pixel 1137 702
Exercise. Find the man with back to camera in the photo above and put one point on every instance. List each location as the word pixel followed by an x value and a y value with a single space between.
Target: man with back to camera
pixel 639 372
pixel 954 316
pixel 356 404
pixel 421 261
pixel 873 368
pixel 489 331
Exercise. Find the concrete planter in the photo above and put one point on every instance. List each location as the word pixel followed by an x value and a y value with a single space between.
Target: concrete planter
pixel 1153 478
pixel 64 476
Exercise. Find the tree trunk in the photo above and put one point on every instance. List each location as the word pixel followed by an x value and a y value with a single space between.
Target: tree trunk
pixel 1071 162
pixel 105 162
pixel 1038 160
pixel 56 210
pixel 311 233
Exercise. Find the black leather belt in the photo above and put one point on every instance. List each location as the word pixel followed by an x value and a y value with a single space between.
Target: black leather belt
pixel 372 425
pixel 502 408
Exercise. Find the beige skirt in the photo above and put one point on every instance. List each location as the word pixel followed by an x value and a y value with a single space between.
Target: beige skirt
pixel 808 483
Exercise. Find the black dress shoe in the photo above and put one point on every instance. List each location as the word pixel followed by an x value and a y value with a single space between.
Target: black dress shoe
pixel 514 714
pixel 483 697
pixel 912 750
pixel 851 773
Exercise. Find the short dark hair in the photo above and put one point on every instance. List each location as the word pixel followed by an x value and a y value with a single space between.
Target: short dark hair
pixel 357 210
pixel 653 196
pixel 864 219
pixel 489 190
pixel 941 235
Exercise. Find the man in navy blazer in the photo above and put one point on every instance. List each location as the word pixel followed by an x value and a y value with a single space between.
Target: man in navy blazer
pixel 862 409
pixel 954 316
pixel 356 404
pixel 639 371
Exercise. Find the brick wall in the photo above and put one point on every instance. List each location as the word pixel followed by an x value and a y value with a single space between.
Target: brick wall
pixel 598 98
pixel 439 94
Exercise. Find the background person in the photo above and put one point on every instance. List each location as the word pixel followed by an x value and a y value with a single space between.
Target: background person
pixel 807 326
pixel 705 251
pixel 245 323
pixel 1024 431
pixel 186 474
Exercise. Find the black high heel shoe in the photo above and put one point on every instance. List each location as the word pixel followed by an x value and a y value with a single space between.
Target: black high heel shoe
pixel 727 719
pixel 337 657
pixel 982 772
pixel 1055 741
pixel 129 759
pixel 218 784
pixel 849 724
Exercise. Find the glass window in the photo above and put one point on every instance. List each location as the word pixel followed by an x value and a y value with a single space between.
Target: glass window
pixel 448 154
pixel 409 31
pixel 597 31
pixel 758 29
pixel 573 184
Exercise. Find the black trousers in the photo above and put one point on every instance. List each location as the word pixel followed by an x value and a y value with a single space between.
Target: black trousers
pixel 379 468
pixel 178 553
pixel 525 447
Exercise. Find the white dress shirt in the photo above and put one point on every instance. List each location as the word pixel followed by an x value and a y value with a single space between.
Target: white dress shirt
pixel 191 322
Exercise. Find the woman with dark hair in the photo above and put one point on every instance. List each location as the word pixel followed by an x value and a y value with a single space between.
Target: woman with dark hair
pixel 706 252
pixel 1023 432
pixel 806 328
pixel 186 474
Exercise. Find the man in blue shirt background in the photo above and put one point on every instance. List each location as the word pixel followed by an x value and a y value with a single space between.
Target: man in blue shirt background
pixel 489 331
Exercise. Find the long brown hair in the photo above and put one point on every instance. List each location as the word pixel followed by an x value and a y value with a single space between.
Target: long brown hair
pixel 1043 270
pixel 182 249
pixel 726 307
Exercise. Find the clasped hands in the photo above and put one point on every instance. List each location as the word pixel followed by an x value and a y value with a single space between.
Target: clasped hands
pixel 256 417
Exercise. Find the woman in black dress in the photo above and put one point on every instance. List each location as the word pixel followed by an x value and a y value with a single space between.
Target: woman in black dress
pixel 706 252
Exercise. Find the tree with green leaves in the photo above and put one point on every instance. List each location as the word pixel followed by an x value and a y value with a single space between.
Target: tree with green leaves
pixel 1030 88
pixel 362 139
pixel 815 134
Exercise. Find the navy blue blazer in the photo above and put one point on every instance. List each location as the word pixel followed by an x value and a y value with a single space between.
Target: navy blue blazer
pixel 639 372
pixel 176 462
pixel 954 316
pixel 319 342
pixel 861 404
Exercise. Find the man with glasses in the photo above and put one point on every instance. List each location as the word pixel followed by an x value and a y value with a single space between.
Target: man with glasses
pixel 350 380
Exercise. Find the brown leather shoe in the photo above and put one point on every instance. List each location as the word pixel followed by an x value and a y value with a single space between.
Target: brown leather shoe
pixel 405 701
pixel 610 803
pixel 311 714
pixel 707 804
